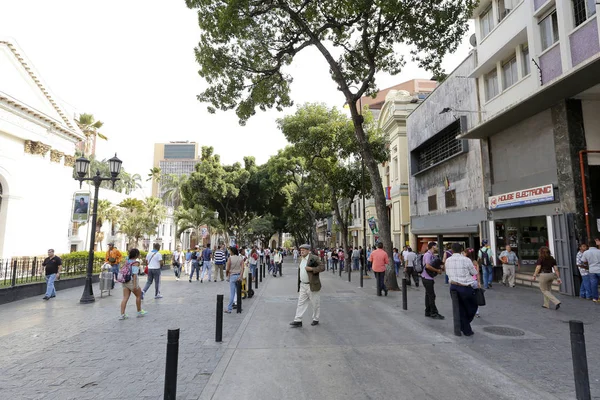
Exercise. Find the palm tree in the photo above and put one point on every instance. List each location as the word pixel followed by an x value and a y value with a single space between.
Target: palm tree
pixel 104 207
pixel 89 126
pixel 154 174
pixel 193 218
pixel 172 185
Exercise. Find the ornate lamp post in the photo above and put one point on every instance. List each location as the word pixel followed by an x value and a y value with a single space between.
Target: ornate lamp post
pixel 82 165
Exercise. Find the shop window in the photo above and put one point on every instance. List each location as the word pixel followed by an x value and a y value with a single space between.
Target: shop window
pixel 549 30
pixel 450 196
pixel 439 148
pixel 526 61
pixel 510 74
pixel 491 85
pixel 486 21
pixel 582 10
pixel 432 202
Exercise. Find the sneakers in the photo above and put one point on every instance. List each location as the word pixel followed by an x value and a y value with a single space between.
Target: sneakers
pixel 48 298
pixel 142 313
pixel 158 296
pixel 123 316
pixel 437 316
pixel 177 279
pixel 190 281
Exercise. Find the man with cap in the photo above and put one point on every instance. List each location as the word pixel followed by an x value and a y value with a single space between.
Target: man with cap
pixel 486 260
pixel 309 286
pixel 113 257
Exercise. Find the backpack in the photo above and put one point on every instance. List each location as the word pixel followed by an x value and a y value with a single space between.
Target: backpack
pixel 419 265
pixel 194 255
pixel 124 275
pixel 485 257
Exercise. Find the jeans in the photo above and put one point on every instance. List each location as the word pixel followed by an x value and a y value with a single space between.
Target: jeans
pixel 334 263
pixel 153 276
pixel 410 272
pixel 467 306
pixel 115 271
pixel 277 268
pixel 232 290
pixel 430 307
pixel 253 270
pixel 594 278
pixel 50 290
pixel 206 270
pixel 355 262
pixel 397 266
pixel 380 282
pixel 488 275
pixel 585 291
pixel 176 270
pixel 196 267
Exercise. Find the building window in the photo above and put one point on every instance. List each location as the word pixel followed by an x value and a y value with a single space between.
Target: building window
pixel 526 61
pixel 582 10
pixel 486 19
pixel 439 148
pixel 549 30
pixel 504 8
pixel 395 166
pixel 491 85
pixel 450 196
pixel 387 175
pixel 510 75
pixel 432 202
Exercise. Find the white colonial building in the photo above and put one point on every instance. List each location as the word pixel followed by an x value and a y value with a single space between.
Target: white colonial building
pixel 37 148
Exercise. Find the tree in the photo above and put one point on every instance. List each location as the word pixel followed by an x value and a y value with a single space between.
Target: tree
pixel 90 128
pixel 104 207
pixel 154 175
pixel 141 218
pixel 193 218
pixel 172 185
pixel 260 229
pixel 245 47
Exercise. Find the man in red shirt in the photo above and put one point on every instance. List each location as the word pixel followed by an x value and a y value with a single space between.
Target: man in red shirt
pixel 379 261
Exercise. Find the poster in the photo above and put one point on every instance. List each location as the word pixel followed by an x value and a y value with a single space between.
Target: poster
pixel 81 207
pixel 373 225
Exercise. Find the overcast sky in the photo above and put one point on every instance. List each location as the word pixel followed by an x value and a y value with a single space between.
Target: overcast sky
pixel 131 64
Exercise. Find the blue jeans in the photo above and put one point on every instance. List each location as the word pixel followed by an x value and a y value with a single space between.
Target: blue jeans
pixel 115 271
pixel 50 290
pixel 594 285
pixel 397 266
pixel 153 276
pixel 488 275
pixel 585 291
pixel 195 266
pixel 206 269
pixel 232 288
pixel 355 263
pixel 253 270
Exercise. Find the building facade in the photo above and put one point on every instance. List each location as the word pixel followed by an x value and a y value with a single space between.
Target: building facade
pixel 173 158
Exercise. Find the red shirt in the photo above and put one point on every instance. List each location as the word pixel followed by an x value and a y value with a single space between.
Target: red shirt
pixel 380 259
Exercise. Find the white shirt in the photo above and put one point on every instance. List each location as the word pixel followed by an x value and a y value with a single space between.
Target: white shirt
pixel 154 259
pixel 592 258
pixel 404 254
pixel 277 258
pixel 460 269
pixel 410 258
pixel 303 273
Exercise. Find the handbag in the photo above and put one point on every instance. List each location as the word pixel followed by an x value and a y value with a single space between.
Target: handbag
pixel 479 295
pixel 146 267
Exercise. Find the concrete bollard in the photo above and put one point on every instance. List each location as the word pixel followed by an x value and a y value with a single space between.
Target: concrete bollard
pixel 219 329
pixel 404 295
pixel 580 364
pixel 455 312
pixel 239 296
pixel 171 366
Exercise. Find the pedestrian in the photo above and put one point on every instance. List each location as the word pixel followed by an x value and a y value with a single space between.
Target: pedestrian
pixel 470 254
pixel 363 259
pixel 132 286
pixel 355 258
pixel 548 271
pixel 268 258
pixel 334 259
pixel 206 267
pixel 342 258
pixel 278 260
pixel 188 261
pixel 433 267
pixel 53 265
pixel 113 257
pixel 329 255
pixel 195 258
pixel 410 258
pixel 486 260
pixel 177 261
pixel 154 261
pixel 261 254
pixel 253 261
pixel 309 286
pixel 235 269
pixel 510 261
pixel 295 253
pixel 220 258
pixel 585 290
pixel 380 260
pixel 447 254
pixel 591 258
pixel 460 271
pixel 396 257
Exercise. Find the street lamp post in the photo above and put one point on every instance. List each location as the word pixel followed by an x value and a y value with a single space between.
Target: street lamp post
pixel 82 165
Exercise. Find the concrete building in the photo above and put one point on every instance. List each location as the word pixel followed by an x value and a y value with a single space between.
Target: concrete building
pixel 37 148
pixel 177 158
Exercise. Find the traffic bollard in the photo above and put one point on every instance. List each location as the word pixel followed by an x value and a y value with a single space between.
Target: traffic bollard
pixel 171 366
pixel 249 285
pixel 340 272
pixel 256 279
pixel 455 312
pixel 260 272
pixel 580 364
pixel 264 270
pixel 239 296
pixel 404 295
pixel 219 331
pixel 361 276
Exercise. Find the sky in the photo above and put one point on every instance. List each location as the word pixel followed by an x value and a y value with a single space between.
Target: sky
pixel 131 64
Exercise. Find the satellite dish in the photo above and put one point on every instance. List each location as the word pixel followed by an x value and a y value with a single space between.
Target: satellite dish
pixel 473 40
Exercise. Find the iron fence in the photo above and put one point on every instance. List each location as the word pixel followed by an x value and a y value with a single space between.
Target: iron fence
pixel 23 270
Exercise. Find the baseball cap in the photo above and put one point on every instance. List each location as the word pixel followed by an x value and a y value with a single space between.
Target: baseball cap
pixel 484 242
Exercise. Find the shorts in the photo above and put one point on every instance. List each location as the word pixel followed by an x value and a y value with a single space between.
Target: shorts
pixel 129 285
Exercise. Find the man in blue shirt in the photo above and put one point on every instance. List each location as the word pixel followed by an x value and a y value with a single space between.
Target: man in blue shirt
pixel 432 268
pixel 206 269
pixel 510 261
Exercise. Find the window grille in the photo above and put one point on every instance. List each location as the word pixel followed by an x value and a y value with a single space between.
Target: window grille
pixel 582 10
pixel 450 196
pixel 441 147
pixel 432 202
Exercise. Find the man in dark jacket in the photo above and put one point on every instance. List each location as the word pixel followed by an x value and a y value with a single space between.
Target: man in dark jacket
pixel 309 286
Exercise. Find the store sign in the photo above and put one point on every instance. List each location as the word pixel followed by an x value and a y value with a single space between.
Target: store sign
pixel 540 194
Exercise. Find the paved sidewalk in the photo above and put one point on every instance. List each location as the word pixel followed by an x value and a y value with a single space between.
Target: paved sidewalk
pixel 366 347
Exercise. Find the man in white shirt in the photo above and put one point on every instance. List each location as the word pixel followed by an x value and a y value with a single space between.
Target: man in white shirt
pixel 410 258
pixel 591 258
pixel 460 271
pixel 295 252
pixel 154 261
pixel 309 286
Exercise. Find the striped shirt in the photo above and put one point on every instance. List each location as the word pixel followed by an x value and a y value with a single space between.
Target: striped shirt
pixel 219 257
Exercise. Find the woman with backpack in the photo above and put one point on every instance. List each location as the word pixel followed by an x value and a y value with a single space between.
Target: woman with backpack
pixel 128 275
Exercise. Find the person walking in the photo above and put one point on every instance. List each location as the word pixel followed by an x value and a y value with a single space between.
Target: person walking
pixel 410 258
pixel 132 286
pixel 355 258
pixel 460 271
pixel 591 258
pixel 113 257
pixel 486 261
pixel 234 271
pixel 433 267
pixel 309 286
pixel 334 259
pixel 585 290
pixel 253 262
pixel 53 267
pixel 195 258
pixel 396 257
pixel 295 253
pixel 510 261
pixel 154 261
pixel 548 271
pixel 342 258
pixel 379 261
pixel 188 261
pixel 177 261
pixel 219 258
pixel 447 254
pixel 278 260
pixel 206 267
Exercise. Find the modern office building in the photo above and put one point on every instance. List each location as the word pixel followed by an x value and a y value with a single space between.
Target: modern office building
pixel 177 158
